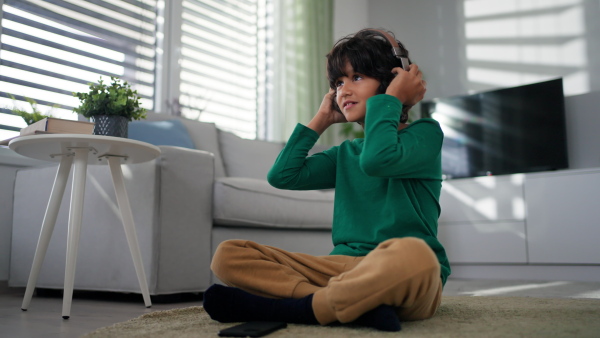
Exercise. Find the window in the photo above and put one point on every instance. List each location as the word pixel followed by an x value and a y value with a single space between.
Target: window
pixel 220 64
pixel 50 49
pixel 202 59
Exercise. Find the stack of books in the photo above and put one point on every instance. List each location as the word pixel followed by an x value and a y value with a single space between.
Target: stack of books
pixel 53 125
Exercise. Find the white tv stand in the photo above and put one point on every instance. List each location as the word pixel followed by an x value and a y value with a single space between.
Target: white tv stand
pixel 538 226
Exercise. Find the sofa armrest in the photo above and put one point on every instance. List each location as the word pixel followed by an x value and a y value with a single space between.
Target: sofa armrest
pixel 186 179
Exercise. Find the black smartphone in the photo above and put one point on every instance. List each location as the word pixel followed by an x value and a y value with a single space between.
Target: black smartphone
pixel 252 329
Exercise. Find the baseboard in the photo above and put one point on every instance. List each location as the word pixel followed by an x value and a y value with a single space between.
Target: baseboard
pixel 577 273
pixel 4 289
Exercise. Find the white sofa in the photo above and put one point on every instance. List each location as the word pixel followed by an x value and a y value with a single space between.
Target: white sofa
pixel 184 204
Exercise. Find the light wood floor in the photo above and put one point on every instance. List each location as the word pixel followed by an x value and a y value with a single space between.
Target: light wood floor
pixel 91 311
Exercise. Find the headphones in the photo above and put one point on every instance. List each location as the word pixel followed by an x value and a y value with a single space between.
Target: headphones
pixel 399 52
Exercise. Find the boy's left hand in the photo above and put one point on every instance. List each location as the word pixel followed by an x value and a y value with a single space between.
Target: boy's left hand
pixel 408 86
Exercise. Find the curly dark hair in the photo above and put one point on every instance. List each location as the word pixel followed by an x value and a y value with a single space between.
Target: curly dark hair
pixel 370 54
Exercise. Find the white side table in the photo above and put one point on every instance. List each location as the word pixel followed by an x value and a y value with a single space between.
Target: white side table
pixel 83 150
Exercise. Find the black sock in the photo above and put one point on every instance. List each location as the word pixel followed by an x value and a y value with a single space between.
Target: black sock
pixel 227 304
pixel 382 318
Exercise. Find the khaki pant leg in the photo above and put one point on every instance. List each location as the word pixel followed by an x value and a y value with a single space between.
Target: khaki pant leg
pixel 272 272
pixel 401 272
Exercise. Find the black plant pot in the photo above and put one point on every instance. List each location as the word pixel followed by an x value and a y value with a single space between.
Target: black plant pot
pixel 110 125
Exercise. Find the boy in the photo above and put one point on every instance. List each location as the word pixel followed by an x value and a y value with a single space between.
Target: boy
pixel 387 264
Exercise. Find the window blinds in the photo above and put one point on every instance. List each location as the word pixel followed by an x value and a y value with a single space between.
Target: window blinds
pixel 220 63
pixel 52 48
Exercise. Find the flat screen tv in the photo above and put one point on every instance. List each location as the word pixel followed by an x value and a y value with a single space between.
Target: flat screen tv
pixel 505 131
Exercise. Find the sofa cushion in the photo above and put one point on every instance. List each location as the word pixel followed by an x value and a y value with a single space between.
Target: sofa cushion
pixel 247 158
pixel 203 134
pixel 252 202
pixel 161 133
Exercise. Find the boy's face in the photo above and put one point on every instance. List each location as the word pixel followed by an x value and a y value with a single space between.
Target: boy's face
pixel 352 91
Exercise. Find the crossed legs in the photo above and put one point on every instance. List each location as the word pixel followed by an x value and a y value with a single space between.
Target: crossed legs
pixel 401 275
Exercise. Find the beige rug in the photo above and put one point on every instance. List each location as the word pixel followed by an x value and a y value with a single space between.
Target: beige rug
pixel 457 317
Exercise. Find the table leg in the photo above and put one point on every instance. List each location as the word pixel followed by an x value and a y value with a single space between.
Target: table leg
pixel 126 215
pixel 75 216
pixel 58 190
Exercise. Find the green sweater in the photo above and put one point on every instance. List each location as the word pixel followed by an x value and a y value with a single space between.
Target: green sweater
pixel 387 185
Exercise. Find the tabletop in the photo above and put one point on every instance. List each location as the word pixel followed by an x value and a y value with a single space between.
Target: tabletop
pixel 50 147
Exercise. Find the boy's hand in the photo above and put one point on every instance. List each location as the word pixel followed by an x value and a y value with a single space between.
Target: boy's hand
pixel 326 109
pixel 326 116
pixel 407 86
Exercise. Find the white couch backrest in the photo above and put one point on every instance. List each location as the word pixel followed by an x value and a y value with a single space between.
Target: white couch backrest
pixel 234 156
pixel 247 158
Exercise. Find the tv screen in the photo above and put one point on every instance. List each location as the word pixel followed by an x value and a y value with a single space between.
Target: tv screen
pixel 506 131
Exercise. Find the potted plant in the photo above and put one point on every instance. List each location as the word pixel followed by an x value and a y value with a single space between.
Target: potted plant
pixel 111 107
pixel 34 116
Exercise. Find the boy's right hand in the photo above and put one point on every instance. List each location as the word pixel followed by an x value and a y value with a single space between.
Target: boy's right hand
pixel 326 115
pixel 328 111
pixel 408 86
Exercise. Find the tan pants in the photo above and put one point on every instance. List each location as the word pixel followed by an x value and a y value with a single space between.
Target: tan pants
pixel 401 272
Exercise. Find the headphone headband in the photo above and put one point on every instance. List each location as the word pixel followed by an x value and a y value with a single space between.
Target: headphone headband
pixel 396 50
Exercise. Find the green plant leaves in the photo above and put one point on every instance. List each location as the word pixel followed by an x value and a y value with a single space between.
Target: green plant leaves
pixel 34 116
pixel 115 99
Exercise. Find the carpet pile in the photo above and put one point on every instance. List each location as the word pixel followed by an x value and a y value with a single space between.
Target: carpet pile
pixel 458 316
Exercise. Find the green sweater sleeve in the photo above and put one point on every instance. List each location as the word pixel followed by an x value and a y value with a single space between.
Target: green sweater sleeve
pixel 414 152
pixel 293 170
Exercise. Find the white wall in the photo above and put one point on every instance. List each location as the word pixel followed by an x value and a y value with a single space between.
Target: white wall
pixel 460 48
pixel 431 30
pixel 349 16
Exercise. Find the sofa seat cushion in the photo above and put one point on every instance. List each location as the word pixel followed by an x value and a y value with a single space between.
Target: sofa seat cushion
pixel 249 202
